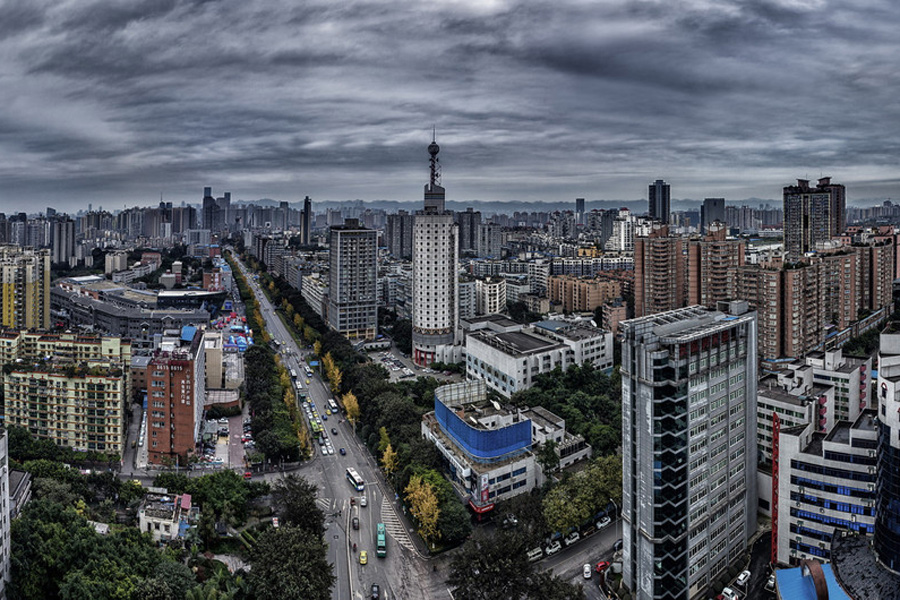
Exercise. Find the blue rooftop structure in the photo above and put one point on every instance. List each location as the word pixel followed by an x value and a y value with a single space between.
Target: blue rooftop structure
pixel 188 332
pixel 791 584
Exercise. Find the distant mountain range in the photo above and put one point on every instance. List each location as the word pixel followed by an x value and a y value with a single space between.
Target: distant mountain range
pixel 488 208
pixel 508 208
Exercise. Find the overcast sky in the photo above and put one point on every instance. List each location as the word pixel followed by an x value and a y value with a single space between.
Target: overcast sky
pixel 115 102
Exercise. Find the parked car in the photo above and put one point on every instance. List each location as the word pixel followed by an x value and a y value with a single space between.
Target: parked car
pixel 770 584
pixel 617 546
pixel 553 548
pixel 742 579
pixel 572 538
pixel 535 554
pixel 602 566
pixel 510 521
pixel 586 571
pixel 728 594
pixel 605 521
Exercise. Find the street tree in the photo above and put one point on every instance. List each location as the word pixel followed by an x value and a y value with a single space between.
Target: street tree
pixel 351 405
pixel 288 563
pixel 294 500
pixel 384 440
pixel 424 506
pixel 495 567
pixel 389 460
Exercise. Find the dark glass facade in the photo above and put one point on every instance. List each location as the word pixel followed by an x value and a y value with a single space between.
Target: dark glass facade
pixel 887 519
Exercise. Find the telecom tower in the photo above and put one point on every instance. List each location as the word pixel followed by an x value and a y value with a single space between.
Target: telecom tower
pixel 435 274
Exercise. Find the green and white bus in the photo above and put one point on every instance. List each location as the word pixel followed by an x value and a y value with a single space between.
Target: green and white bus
pixel 381 541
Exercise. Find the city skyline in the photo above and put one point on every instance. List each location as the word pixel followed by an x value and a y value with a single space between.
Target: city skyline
pixel 115 106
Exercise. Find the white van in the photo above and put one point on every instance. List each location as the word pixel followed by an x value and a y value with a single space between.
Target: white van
pixel 535 554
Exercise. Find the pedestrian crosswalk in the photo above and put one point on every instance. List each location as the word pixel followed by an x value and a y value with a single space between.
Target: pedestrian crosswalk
pixel 324 504
pixel 394 526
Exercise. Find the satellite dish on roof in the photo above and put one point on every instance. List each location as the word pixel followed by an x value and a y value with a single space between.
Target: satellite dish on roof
pixel 496 405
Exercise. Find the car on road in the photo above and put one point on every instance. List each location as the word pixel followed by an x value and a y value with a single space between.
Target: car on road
pixel 605 521
pixel 330 450
pixel 586 571
pixel 553 548
pixel 363 501
pixel 509 521
pixel 535 554
pixel 602 566
pixel 364 557
pixel 375 592
pixel 728 594
pixel 247 474
pixel 343 452
pixel 572 538
pixel 617 546
pixel 770 584
pixel 355 522
pixel 333 431
pixel 743 578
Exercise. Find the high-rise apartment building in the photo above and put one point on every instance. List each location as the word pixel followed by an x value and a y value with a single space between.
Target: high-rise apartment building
pixel 712 210
pixel 812 215
pixel 25 280
pixel 469 230
pixel 353 276
pixel 712 263
pixel 176 389
pixel 887 469
pixel 660 202
pixel 660 272
pixel 435 279
pixel 689 448
pixel 78 397
pixel 398 233
pixel 62 240
pixel 582 294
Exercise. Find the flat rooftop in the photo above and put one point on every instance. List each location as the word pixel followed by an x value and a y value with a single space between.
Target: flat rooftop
pixel 840 433
pixel 516 343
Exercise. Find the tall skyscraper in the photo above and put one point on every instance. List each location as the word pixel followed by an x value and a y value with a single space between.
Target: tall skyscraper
pixel 62 240
pixel 579 211
pixel 25 281
pixel 812 215
pixel 435 279
pixel 305 222
pixel 398 233
pixel 887 470
pixel 659 201
pixel 712 210
pixel 688 448
pixel 353 290
pixel 211 212
pixel 469 225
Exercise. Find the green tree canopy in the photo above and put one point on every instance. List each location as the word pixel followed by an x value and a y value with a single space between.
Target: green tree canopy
pixel 289 563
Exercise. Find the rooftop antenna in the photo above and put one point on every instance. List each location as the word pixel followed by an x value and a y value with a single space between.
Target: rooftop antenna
pixel 433 150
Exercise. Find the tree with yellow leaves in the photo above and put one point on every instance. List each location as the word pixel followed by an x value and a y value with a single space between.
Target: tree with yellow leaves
pixel 389 460
pixel 332 372
pixel 298 322
pixel 351 406
pixel 424 506
pixel 317 346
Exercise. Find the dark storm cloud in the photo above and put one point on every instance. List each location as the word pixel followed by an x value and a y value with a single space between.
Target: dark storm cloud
pixel 121 101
